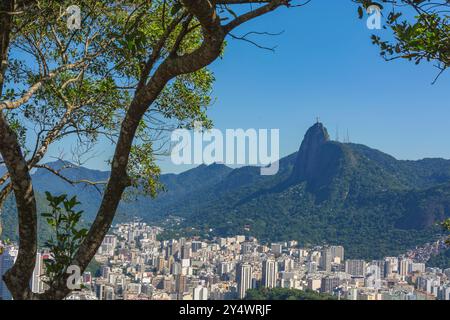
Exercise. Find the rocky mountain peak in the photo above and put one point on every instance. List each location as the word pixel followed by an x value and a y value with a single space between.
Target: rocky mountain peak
pixel 308 155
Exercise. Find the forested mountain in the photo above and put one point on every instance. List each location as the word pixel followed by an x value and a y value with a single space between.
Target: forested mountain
pixel 328 191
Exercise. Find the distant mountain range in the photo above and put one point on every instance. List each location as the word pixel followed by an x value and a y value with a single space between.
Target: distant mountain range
pixel 327 192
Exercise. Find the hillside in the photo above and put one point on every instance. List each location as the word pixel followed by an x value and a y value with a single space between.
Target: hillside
pixel 331 192
pixel 328 191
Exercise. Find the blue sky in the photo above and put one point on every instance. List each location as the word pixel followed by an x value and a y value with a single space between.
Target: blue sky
pixel 326 66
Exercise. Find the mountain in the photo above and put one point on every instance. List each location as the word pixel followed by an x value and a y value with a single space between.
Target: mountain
pixel 178 187
pixel 327 192
pixel 332 192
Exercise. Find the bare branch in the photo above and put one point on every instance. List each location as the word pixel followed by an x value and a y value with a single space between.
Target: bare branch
pixel 69 181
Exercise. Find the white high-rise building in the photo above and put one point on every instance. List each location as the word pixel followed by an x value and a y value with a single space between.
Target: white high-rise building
pixel 418 267
pixel 109 244
pixel 390 266
pixel 37 285
pixel 108 293
pixel 373 277
pixel 224 267
pixel 444 292
pixel 326 259
pixel 244 273
pixel 200 293
pixel 269 273
pixel 405 266
pixel 105 272
pixel 337 253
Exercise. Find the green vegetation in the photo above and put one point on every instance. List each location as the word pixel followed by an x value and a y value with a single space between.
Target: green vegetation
pixel 420 28
pixel 286 294
pixel 442 260
pixel 66 235
pixel 446 226
pixel 94 268
pixel 9 220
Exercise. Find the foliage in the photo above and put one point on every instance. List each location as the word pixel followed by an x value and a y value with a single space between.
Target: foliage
pixel 421 30
pixel 3 244
pixel 446 227
pixel 286 294
pixel 95 74
pixel 441 260
pixel 10 225
pixel 63 220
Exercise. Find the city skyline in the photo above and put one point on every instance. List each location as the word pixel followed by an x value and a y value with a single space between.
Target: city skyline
pixel 132 264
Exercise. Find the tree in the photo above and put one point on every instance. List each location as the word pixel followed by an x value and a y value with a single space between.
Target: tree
pixel 421 31
pixel 134 68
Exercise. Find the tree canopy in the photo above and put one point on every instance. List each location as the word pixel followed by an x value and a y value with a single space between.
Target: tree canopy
pixel 420 30
pixel 133 70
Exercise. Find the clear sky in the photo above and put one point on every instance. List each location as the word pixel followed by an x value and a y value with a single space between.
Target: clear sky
pixel 326 66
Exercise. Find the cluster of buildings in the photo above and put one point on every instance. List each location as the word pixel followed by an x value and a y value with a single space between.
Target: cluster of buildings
pixel 135 264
